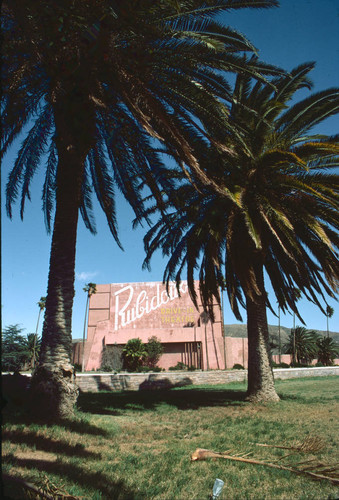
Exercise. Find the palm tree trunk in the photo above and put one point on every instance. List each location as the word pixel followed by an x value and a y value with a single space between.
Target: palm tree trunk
pixel 260 375
pixel 53 382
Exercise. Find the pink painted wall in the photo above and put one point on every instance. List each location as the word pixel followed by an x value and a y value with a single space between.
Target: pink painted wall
pixel 121 311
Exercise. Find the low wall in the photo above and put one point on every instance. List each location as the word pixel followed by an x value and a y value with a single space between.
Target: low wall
pixel 90 382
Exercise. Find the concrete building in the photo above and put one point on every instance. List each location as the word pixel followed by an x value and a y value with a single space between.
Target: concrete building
pixel 122 311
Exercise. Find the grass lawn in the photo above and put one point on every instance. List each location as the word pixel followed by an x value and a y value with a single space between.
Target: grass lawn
pixel 137 445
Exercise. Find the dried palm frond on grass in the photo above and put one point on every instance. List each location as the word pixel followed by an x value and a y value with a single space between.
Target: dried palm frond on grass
pixel 309 445
pixel 46 490
pixel 311 468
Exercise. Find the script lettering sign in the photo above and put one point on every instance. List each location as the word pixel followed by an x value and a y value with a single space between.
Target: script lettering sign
pixel 130 306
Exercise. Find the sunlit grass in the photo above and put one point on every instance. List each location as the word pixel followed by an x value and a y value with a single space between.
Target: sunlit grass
pixel 137 445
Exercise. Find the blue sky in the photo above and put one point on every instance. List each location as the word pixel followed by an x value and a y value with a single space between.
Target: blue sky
pixel 296 32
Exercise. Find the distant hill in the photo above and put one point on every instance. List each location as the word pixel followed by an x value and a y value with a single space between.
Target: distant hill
pixel 240 330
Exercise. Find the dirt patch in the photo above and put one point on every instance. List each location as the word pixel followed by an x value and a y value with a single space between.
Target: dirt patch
pixel 35 455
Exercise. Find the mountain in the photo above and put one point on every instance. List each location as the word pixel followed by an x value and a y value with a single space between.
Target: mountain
pixel 240 330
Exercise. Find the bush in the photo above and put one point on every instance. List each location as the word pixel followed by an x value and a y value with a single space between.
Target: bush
pixel 299 365
pixel 237 366
pixel 319 363
pixel 283 365
pixel 154 351
pixel 77 367
pixel 179 366
pixel 279 365
pixel 144 369
pixel 134 354
pixel 191 368
pixel 111 360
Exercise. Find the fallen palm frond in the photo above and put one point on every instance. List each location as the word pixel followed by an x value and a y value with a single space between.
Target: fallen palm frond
pixel 31 491
pixel 310 468
pixel 309 445
pixel 56 491
pixel 44 491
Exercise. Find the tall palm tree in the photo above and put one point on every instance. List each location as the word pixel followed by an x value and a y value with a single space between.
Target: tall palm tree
pixel 90 289
pixel 33 343
pixel 297 296
pixel 97 85
pixel 275 215
pixel 42 305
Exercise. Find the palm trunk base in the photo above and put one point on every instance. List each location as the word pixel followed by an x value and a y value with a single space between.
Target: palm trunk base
pixel 263 396
pixel 53 391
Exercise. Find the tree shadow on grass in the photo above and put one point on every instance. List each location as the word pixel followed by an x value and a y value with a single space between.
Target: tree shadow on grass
pixel 115 403
pixel 47 444
pixel 98 481
pixel 18 413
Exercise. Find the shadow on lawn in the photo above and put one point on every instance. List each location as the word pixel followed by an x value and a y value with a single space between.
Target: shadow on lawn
pixel 114 403
pixel 116 490
pixel 48 444
pixel 18 413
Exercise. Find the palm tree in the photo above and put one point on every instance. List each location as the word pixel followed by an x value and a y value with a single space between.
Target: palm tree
pixel 99 85
pixel 302 345
pixel 42 305
pixel 33 344
pixel 275 215
pixel 90 289
pixel 327 351
pixel 297 296
pixel 279 334
pixel 329 314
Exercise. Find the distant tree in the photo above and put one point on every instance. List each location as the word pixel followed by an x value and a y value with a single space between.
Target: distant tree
pixel 33 344
pixel 154 351
pixel 42 305
pixel 296 294
pixel 328 350
pixel 302 345
pixel 14 351
pixel 329 314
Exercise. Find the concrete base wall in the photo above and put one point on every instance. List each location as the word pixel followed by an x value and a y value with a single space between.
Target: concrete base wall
pixel 147 381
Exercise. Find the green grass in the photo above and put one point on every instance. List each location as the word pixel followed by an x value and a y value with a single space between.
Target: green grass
pixel 137 445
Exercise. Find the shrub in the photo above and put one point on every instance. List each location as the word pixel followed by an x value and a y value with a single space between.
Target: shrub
pixel 283 365
pixel 154 351
pixel 279 365
pixel 134 354
pixel 237 366
pixel 111 359
pixel 144 369
pixel 179 366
